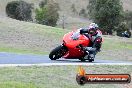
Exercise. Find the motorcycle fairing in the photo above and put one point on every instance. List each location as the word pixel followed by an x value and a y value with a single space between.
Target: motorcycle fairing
pixel 73 51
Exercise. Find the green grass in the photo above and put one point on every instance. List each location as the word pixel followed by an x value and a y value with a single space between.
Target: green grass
pixel 25 37
pixel 116 48
pixel 16 85
pixel 57 76
pixel 117 44
pixel 21 51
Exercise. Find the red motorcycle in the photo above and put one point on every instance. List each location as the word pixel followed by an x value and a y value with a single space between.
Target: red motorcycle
pixel 72 47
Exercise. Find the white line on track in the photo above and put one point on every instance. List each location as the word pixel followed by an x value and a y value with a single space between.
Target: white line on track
pixel 61 64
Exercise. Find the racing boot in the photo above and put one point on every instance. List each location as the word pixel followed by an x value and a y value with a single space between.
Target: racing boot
pixel 91 57
pixel 91 52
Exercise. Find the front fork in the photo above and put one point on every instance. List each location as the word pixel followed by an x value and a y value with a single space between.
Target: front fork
pixel 64 49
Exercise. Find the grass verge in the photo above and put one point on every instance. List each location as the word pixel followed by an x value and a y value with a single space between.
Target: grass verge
pixel 116 48
pixel 25 37
pixel 21 51
pixel 16 85
pixel 58 76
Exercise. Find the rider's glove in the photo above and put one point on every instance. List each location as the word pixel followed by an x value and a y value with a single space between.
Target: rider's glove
pixel 81 31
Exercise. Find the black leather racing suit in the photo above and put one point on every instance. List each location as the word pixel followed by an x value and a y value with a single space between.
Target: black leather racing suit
pixel 96 40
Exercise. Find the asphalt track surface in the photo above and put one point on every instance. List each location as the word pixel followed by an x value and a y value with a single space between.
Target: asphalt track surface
pixel 11 58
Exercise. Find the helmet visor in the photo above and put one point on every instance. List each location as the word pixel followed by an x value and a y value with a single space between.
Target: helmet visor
pixel 92 31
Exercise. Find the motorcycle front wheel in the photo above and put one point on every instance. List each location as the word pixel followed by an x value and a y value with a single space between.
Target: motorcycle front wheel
pixel 58 52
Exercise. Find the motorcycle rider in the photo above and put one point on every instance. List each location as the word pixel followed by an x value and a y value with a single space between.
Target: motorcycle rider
pixel 95 36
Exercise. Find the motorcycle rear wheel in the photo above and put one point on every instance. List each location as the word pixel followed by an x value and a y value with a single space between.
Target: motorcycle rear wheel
pixel 90 60
pixel 82 59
